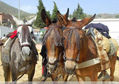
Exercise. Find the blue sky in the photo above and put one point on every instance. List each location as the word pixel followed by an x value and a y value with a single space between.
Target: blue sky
pixel 89 6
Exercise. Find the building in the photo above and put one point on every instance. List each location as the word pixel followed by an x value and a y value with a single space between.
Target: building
pixel 1 15
pixel 4 31
pixel 7 20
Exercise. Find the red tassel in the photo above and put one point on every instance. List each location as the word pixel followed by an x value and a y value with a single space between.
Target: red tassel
pixel 13 34
pixel 43 69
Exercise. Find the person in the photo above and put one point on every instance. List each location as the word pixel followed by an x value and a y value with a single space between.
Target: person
pixel 43 53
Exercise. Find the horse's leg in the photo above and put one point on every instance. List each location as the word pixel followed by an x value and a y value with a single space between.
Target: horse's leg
pixel 94 77
pixel 65 77
pixel 54 77
pixel 80 79
pixel 31 74
pixel 112 68
pixel 6 73
pixel 14 77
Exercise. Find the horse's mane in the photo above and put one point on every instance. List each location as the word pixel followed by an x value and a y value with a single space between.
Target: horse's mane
pixel 77 37
pixel 58 38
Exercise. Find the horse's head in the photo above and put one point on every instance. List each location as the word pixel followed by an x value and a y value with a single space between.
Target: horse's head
pixel 25 35
pixel 73 40
pixel 53 39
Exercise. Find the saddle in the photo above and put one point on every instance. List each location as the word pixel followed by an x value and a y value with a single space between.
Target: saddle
pixel 105 47
pixel 109 44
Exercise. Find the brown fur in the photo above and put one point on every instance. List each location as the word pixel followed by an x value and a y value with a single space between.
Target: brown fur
pixel 53 39
pixel 87 50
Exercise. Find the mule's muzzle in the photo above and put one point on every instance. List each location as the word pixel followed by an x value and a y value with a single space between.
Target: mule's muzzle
pixel 52 64
pixel 26 50
pixel 70 67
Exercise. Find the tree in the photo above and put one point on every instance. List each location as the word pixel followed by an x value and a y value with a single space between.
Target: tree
pixel 54 16
pixel 39 22
pixel 78 13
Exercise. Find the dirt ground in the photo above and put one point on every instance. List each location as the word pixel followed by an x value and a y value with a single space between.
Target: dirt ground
pixel 38 71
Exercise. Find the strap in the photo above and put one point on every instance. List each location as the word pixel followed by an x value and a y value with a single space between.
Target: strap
pixel 88 63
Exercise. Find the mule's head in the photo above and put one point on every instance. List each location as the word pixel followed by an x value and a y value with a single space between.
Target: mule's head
pixel 25 35
pixel 73 41
pixel 53 39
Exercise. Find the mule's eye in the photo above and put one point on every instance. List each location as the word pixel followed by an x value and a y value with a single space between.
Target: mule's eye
pixel 32 32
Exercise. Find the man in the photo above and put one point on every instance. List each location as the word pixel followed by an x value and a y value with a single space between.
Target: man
pixel 44 61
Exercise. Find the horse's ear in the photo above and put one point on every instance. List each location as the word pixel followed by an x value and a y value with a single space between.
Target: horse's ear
pixel 67 14
pixel 45 17
pixel 63 19
pixel 86 21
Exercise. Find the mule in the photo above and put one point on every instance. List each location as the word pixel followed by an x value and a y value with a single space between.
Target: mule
pixel 53 40
pixel 80 48
pixel 22 59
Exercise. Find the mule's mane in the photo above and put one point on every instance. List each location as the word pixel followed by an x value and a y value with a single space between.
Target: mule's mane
pixel 58 38
pixel 70 32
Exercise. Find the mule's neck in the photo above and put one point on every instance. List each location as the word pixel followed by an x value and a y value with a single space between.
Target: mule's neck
pixel 88 50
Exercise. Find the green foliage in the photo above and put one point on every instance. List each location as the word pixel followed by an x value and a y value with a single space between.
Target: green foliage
pixel 117 16
pixel 39 22
pixel 48 13
pixel 54 16
pixel 78 13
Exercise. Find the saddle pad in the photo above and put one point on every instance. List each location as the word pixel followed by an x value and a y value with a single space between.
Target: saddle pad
pixel 113 47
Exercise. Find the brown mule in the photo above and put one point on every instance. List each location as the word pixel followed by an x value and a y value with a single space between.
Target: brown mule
pixel 53 39
pixel 80 48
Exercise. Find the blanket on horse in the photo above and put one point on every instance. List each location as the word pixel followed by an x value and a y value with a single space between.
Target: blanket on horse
pixel 12 34
pixel 103 29
pixel 105 47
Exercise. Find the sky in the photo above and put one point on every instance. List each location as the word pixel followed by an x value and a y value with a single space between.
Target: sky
pixel 88 6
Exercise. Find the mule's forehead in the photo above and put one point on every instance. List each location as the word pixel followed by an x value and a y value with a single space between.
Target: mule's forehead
pixel 19 29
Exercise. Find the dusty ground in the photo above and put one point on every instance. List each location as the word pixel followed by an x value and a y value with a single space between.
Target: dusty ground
pixel 38 71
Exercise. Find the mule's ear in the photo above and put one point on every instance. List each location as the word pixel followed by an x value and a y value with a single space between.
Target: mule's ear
pixel 67 14
pixel 63 19
pixel 86 21
pixel 45 17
